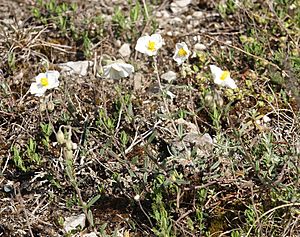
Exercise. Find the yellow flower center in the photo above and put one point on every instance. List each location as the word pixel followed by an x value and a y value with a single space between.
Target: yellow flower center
pixel 182 52
pixel 224 75
pixel 151 46
pixel 44 81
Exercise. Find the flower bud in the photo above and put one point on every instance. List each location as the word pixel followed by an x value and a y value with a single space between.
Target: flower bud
pixel 60 137
pixel 69 145
pixel 42 107
pixel 68 154
pixel 50 106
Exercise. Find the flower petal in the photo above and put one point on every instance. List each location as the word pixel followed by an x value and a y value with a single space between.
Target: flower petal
pixel 215 71
pixel 52 79
pixel 141 44
pixel 117 70
pixel 181 58
pixel 40 76
pixel 158 40
pixel 36 89
pixel 230 83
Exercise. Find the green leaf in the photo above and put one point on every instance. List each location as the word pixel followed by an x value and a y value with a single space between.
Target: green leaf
pixel 93 201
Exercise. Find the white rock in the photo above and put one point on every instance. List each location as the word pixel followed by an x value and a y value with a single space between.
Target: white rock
pixel 199 47
pixel 169 76
pixel 206 138
pixel 266 118
pixel 198 14
pixel 158 14
pixel 79 67
pixel 204 141
pixel 182 3
pixel 165 14
pixel 174 8
pixel 125 50
pixel 195 23
pixel 118 43
pixel 176 21
pixel 192 128
pixel 189 17
pixel 73 221
pixel 189 27
pixel 171 95
pixel 137 81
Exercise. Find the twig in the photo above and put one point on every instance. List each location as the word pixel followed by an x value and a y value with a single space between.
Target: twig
pixel 24 210
pixel 266 213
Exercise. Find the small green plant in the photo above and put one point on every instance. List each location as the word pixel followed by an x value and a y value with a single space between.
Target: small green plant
pixel 11 60
pixel 18 160
pixel 252 45
pixel 128 23
pixel 60 14
pixel 235 233
pixel 105 122
pixel 33 156
pixel 46 131
pixel 227 8
pixel 163 220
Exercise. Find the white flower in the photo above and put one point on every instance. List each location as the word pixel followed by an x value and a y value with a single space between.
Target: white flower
pixel 181 53
pixel 221 77
pixel 44 81
pixel 149 44
pixel 117 70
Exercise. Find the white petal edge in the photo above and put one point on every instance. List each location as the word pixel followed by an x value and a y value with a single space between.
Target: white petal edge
pixel 141 44
pixel 158 40
pixel 36 89
pixel 230 83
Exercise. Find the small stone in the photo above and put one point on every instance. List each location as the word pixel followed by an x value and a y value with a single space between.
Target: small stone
pixel 176 21
pixel 266 118
pixel 165 14
pixel 118 43
pixel 79 67
pixel 198 14
pixel 189 17
pixel 182 3
pixel 199 47
pixel 169 76
pixel 8 187
pixel 71 223
pixel 174 8
pixel 171 95
pixel 137 81
pixel 158 14
pixel 189 27
pixel 206 138
pixel 125 50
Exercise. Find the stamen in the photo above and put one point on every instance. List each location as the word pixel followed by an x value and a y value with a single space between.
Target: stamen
pixel 182 52
pixel 44 81
pixel 224 75
pixel 151 46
